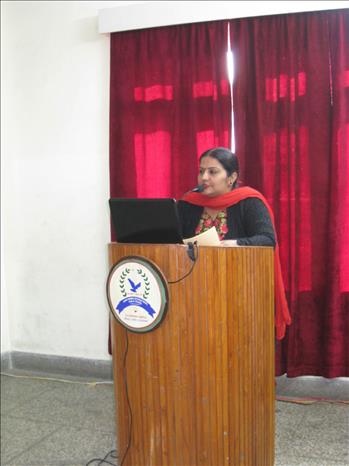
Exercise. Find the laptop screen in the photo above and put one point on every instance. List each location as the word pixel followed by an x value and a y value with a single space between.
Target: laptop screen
pixel 145 220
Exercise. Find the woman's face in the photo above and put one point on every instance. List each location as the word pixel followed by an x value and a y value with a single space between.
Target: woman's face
pixel 213 177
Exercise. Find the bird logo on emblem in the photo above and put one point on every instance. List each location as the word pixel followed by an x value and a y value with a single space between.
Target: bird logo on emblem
pixel 134 287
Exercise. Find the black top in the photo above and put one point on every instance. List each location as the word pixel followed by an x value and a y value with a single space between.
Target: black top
pixel 248 222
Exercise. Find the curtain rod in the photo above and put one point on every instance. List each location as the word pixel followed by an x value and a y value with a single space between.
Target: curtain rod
pixel 136 15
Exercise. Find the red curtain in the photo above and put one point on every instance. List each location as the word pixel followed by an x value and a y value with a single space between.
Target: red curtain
pixel 169 101
pixel 290 101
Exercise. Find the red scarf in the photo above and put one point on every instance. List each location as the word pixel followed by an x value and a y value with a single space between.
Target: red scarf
pixel 282 315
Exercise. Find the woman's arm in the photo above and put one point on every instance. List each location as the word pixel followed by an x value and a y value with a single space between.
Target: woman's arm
pixel 257 224
pixel 189 216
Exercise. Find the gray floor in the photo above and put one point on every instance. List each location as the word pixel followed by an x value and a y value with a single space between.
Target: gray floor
pixel 56 423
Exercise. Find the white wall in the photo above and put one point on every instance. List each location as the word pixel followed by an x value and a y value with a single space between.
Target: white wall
pixel 5 333
pixel 55 185
pixel 55 179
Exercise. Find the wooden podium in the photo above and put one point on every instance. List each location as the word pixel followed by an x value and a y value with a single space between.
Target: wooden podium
pixel 201 385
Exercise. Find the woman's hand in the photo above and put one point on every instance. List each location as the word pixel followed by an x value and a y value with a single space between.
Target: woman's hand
pixel 229 242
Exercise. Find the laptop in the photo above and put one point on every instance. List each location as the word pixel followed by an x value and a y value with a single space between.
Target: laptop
pixel 146 220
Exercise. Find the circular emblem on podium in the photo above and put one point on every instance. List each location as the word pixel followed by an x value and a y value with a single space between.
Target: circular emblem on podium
pixel 137 294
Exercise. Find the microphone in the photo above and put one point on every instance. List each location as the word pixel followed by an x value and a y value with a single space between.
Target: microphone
pixel 199 188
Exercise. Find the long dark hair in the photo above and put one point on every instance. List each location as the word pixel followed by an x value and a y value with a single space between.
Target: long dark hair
pixel 226 158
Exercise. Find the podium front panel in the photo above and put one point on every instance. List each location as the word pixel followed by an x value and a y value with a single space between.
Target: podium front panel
pixel 201 385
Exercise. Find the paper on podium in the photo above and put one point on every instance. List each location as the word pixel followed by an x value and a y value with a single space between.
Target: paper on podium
pixel 207 238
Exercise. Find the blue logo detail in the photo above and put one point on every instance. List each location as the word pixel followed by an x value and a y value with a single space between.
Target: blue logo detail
pixel 134 287
pixel 135 301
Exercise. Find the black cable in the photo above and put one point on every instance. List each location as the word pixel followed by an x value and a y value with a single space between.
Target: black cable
pixel 128 403
pixel 112 454
pixel 194 259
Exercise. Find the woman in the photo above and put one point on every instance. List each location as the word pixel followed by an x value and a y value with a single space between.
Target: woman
pixel 246 222
pixel 241 216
